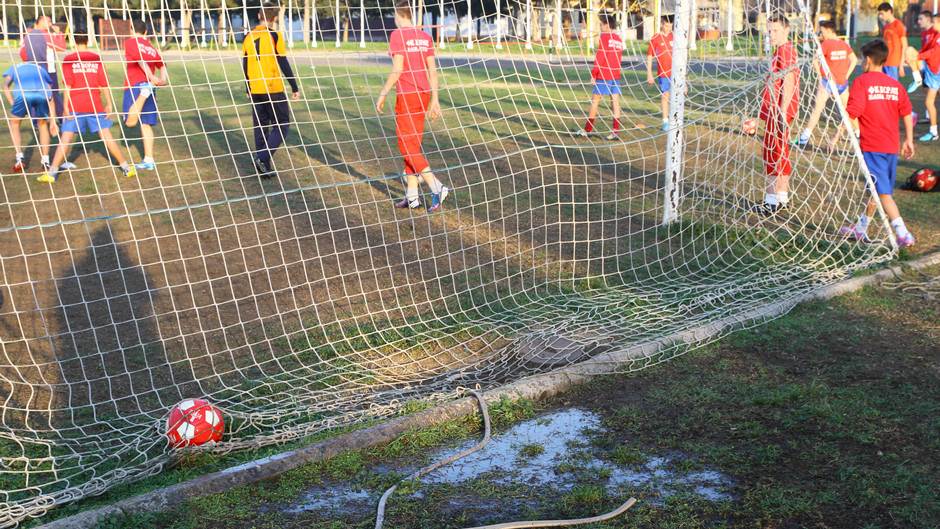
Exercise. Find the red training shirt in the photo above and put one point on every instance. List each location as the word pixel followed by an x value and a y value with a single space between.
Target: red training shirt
pixel 893 33
pixel 136 50
pixel 928 38
pixel 416 46
pixel 85 76
pixel 608 58
pixel 661 48
pixel 784 60
pixel 878 101
pixel 837 53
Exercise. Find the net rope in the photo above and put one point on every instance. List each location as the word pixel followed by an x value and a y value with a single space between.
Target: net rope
pixel 306 302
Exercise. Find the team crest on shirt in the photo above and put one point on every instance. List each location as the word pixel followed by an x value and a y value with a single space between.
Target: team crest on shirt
pixel 882 93
pixel 838 55
pixel 420 45
pixel 147 50
pixel 85 67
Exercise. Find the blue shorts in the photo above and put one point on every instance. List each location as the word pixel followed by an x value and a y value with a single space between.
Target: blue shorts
pixel 883 168
pixel 664 84
pixel 148 114
pixel 33 107
pixel 606 87
pixel 931 80
pixel 86 123
pixel 891 71
pixel 832 88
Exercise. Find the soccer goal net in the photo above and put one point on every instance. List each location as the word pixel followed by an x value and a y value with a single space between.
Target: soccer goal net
pixel 306 302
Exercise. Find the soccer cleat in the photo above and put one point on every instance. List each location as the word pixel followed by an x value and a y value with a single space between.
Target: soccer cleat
pixel 854 233
pixel 581 133
pixel 264 169
pixel 19 167
pixel 930 136
pixel 46 178
pixel 146 166
pixel 915 84
pixel 67 166
pixel 665 126
pixel 767 210
pixel 906 241
pixel 612 136
pixel 437 199
pixel 130 172
pixel 802 141
pixel 409 204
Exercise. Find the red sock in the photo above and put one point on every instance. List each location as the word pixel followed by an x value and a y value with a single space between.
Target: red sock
pixel 589 126
pixel 616 124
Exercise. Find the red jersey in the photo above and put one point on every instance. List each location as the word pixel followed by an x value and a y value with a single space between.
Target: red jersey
pixel 416 46
pixel 608 58
pixel 878 101
pixel 85 76
pixel 893 33
pixel 928 38
pixel 838 54
pixel 661 48
pixel 136 50
pixel 784 60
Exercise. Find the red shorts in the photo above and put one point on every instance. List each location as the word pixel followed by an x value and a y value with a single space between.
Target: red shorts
pixel 776 148
pixel 410 109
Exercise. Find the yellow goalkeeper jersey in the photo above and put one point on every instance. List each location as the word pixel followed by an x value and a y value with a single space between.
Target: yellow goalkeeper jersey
pixel 261 48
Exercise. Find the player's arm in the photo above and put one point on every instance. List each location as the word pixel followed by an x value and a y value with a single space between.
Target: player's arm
pixel 398 66
pixel 434 109
pixel 788 90
pixel 280 54
pixel 147 71
pixel 649 68
pixel 853 62
pixel 106 88
pixel 7 89
pixel 907 149
pixel 856 105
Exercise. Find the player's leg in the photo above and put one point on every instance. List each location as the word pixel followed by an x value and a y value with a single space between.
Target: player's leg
pixel 149 117
pixel 102 126
pixel 280 124
pixel 403 132
pixel 775 151
pixel 262 114
pixel 138 96
pixel 69 129
pixel 45 138
pixel 665 85
pixel 931 102
pixel 16 136
pixel 592 112
pixel 822 96
pixel 910 59
pixel 615 103
pixel 784 168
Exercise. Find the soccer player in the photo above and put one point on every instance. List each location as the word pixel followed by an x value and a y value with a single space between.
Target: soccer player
pixel 85 82
pixel 778 108
pixel 606 75
pixel 414 77
pixel 140 104
pixel 928 37
pixel 895 37
pixel 28 89
pixel 841 61
pixel 928 62
pixel 264 61
pixel 877 101
pixel 660 48
pixel 40 46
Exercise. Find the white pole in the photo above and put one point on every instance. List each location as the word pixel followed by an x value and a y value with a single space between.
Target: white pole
pixel 203 11
pixel 313 23
pixel 767 27
pixel 290 24
pixel 558 28
pixel 693 26
pixel 162 23
pixel 336 23
pixel 469 24
pixel 6 37
pixel 442 41
pixel 590 25
pixel 124 10
pixel 934 8
pixel 499 25
pixel 362 23
pixel 528 24
pixel 848 19
pixel 245 28
pixel 623 19
pixel 730 45
pixel 675 138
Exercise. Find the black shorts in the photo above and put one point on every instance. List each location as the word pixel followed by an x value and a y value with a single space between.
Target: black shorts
pixel 270 109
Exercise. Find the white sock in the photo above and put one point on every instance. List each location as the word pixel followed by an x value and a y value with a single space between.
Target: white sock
pixel 933 130
pixel 805 134
pixel 45 160
pixel 148 159
pixel 771 199
pixel 862 224
pixel 53 171
pixel 125 166
pixel 916 74
pixel 899 228
pixel 783 197
pixel 19 157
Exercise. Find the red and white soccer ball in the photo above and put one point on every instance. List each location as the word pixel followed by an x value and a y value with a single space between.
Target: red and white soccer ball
pixel 923 179
pixel 194 422
pixel 749 126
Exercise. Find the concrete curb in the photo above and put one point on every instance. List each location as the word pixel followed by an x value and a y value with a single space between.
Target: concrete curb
pixel 536 387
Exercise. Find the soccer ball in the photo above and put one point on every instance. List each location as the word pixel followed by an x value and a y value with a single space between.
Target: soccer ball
pixel 923 179
pixel 194 422
pixel 749 126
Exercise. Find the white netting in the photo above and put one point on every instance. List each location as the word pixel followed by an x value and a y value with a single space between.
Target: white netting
pixel 307 302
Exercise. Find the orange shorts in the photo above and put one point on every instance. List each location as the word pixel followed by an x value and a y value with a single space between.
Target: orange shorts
pixel 410 110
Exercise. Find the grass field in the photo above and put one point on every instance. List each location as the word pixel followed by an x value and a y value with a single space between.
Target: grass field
pixel 280 298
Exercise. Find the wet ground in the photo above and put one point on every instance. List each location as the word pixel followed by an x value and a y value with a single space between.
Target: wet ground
pixel 553 454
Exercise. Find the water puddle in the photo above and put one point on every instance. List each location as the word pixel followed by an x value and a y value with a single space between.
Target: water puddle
pixel 552 452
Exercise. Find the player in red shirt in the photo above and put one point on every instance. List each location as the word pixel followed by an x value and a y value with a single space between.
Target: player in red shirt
pixel 606 75
pixel 841 61
pixel 660 48
pixel 778 108
pixel 145 71
pixel 877 101
pixel 414 77
pixel 85 82
pixel 895 36
pixel 927 60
